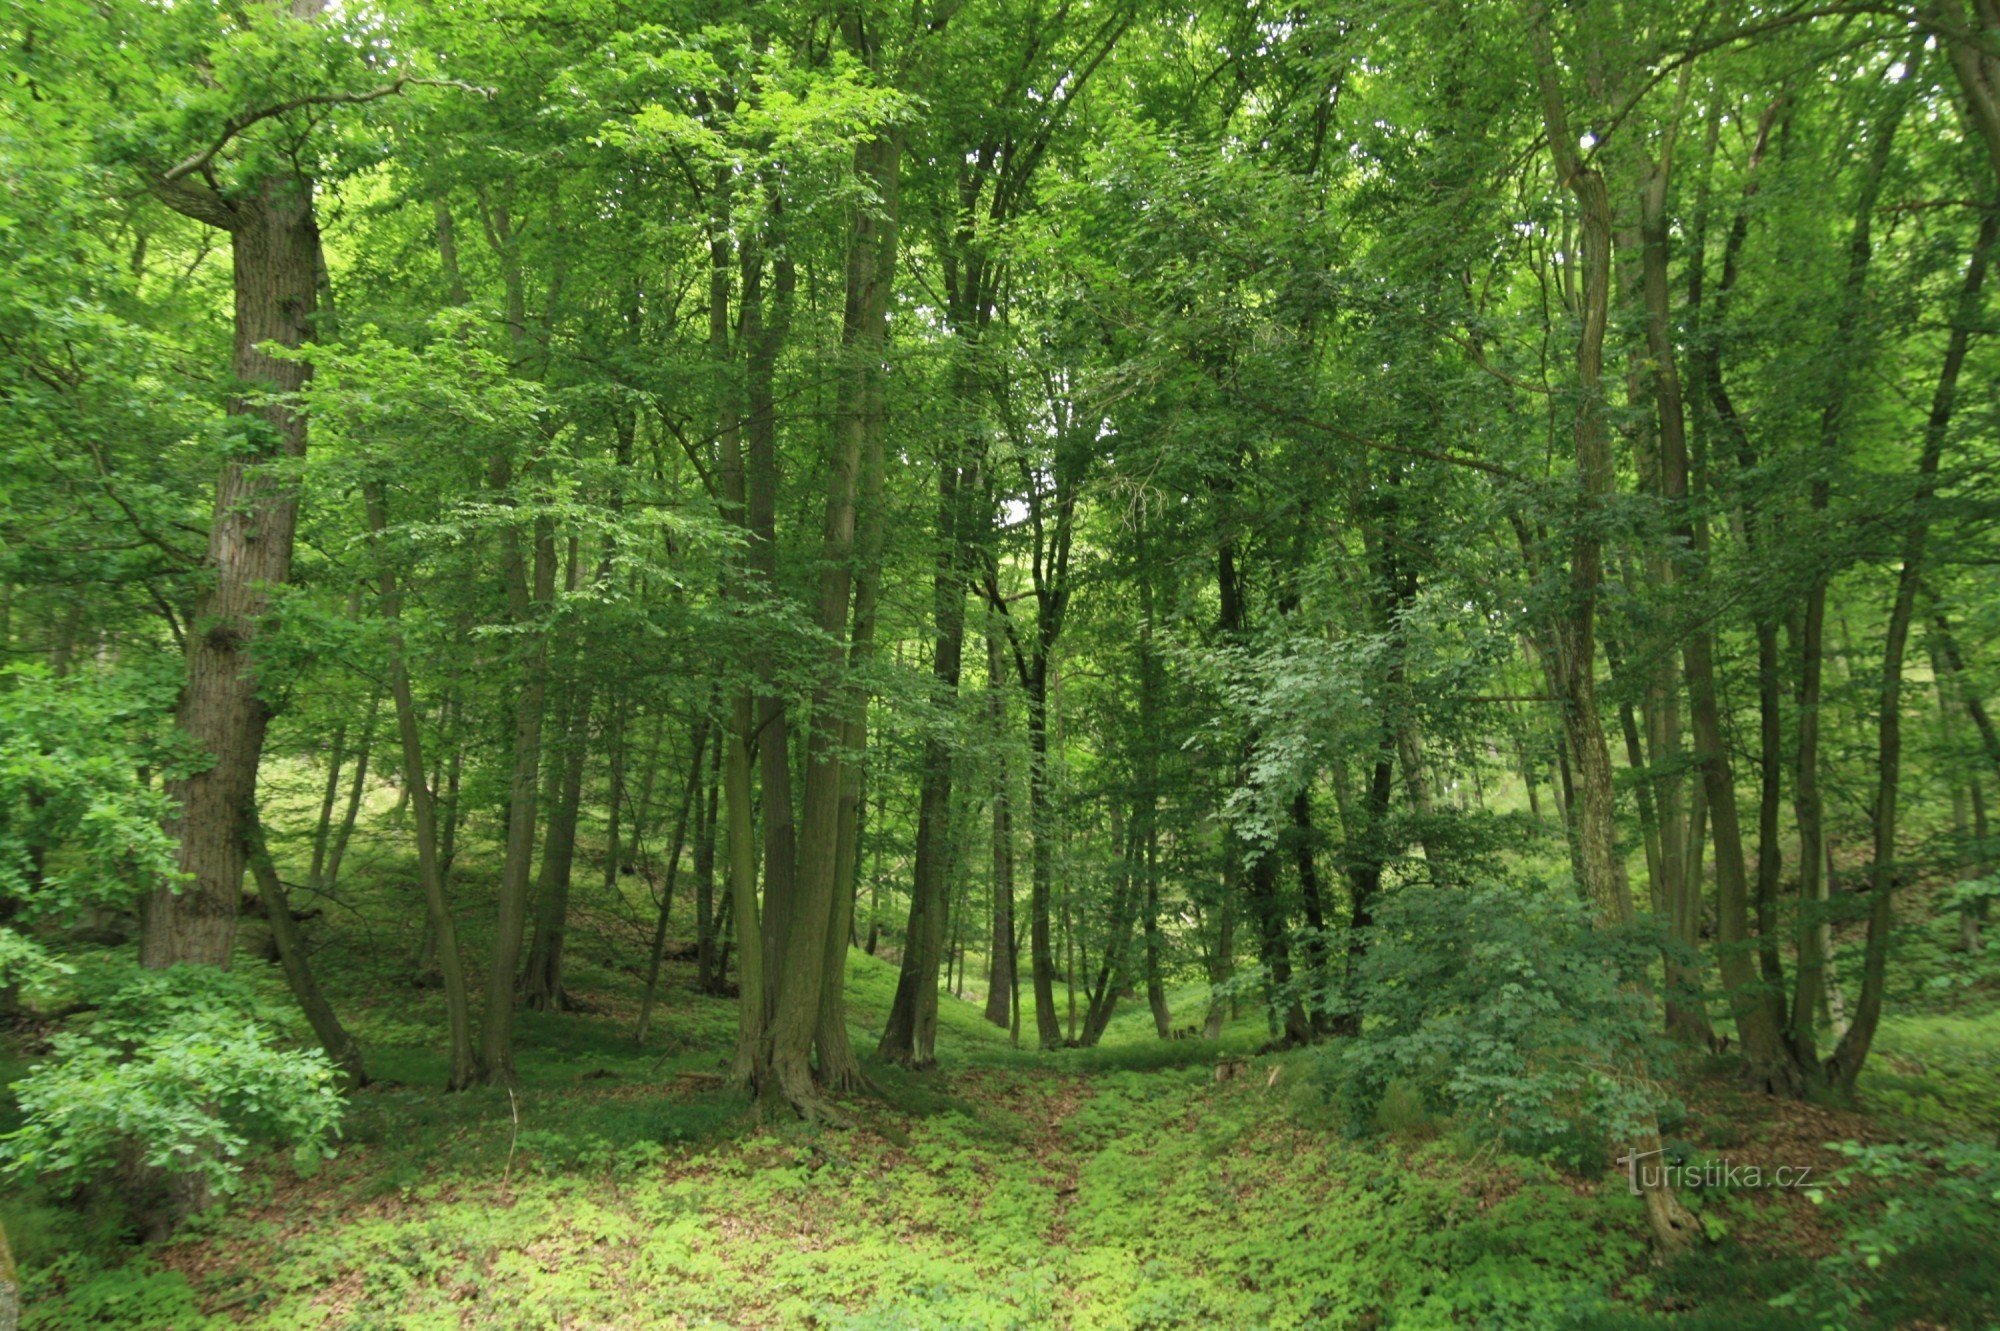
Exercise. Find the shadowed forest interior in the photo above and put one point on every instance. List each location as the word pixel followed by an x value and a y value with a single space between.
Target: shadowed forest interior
pixel 1023 664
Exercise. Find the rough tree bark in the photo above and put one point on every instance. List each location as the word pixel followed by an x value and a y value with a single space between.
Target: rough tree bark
pixel 275 252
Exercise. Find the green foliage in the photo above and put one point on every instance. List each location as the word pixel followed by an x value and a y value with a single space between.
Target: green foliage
pixel 179 1070
pixel 77 825
pixel 1922 1242
pixel 75 1293
pixel 1528 1029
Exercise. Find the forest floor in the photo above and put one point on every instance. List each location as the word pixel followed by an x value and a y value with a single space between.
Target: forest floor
pixel 1117 1187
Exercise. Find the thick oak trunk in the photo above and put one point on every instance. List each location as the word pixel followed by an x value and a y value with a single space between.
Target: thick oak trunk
pixel 274 244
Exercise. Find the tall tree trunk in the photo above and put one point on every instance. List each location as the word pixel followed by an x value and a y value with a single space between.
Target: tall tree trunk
pixel 742 905
pixel 838 1069
pixel 529 594
pixel 1844 1067
pixel 543 986
pixel 1000 977
pixel 274 244
pixel 1599 870
pixel 1041 825
pixel 797 982
pixel 914 1009
pixel 1807 802
pixel 463 1067
pixel 763 337
pixel 1753 999
pixel 1146 820
pixel 708 975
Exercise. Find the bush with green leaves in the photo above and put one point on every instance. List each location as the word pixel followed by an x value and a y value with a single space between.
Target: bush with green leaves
pixel 180 1071
pixel 78 826
pixel 1508 1009
pixel 1921 1241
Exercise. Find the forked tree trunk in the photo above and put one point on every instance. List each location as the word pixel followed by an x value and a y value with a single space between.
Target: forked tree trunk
pixel 690 798
pixel 1599 870
pixel 336 759
pixel 801 933
pixel 357 794
pixel 544 986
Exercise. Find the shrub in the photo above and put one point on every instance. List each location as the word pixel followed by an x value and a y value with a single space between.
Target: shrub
pixel 1507 1009
pixel 1919 1248
pixel 177 1074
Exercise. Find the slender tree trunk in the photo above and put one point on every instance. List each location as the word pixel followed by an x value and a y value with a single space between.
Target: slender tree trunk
pixel 544 987
pixel 528 599
pixel 1754 999
pixel 1114 965
pixel 708 975
pixel 1807 802
pixel 1146 829
pixel 454 766
pixel 1000 978
pixel 690 799
pixel 463 1067
pixel 743 899
pixel 614 800
pixel 1599 870
pixel 340 1046
pixel 915 1004
pixel 1041 822
pixel 1844 1067
pixel 336 758
pixel 357 791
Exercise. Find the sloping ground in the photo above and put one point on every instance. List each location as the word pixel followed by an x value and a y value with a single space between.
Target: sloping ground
pixel 1113 1188
pixel 1118 1188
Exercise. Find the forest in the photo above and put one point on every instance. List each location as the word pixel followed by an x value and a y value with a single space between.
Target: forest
pixel 1084 664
